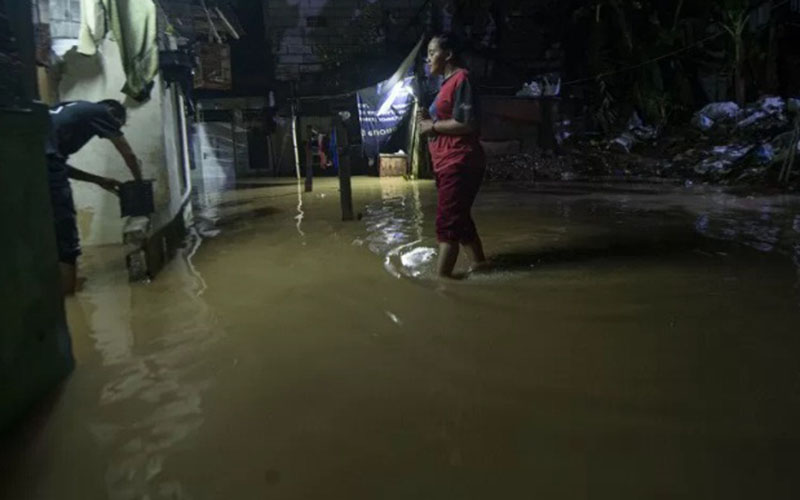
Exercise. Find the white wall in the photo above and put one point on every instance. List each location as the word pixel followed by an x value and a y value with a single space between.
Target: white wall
pixel 151 130
pixel 174 171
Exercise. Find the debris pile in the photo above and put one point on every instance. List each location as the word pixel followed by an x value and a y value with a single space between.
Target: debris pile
pixel 726 144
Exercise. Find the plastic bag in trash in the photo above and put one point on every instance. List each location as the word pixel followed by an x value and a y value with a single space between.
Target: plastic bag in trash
pixel 532 89
pixel 772 105
pixel 640 130
pixel 703 122
pixel 637 131
pixel 710 115
pixel 764 154
pixel 624 143
pixel 723 158
pixel 721 110
pixel 552 88
pixel 766 113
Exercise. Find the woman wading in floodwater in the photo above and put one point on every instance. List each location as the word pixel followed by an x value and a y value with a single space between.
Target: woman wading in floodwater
pixel 458 159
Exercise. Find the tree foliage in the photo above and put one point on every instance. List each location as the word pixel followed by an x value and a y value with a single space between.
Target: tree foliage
pixel 653 55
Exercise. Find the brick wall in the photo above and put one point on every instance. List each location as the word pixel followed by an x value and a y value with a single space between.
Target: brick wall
pixel 297 29
pixel 64 17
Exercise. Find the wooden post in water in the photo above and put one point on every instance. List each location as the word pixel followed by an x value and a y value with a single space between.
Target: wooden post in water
pixel 345 191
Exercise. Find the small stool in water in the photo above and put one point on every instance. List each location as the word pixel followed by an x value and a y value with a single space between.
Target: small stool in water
pixel 136 198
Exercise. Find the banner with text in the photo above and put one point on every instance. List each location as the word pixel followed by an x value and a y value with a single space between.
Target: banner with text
pixel 384 108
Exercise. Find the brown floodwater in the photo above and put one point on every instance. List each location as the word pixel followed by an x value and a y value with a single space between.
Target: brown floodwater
pixel 631 342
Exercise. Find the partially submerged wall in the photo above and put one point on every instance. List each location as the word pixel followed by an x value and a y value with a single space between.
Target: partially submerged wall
pixel 152 130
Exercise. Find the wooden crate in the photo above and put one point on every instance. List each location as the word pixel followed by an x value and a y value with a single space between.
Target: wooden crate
pixel 214 68
pixel 393 165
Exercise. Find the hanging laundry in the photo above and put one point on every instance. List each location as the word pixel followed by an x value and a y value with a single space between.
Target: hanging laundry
pixel 334 150
pixel 134 27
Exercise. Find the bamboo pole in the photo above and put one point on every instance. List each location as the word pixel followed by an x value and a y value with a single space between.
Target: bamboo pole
pixel 413 150
pixel 309 168
pixel 294 140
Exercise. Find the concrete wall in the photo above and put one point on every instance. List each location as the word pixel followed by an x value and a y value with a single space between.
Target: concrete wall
pixel 34 343
pixel 152 131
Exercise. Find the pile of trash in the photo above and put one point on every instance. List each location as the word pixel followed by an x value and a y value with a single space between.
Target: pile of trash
pixel 754 143
pixel 724 143
pixel 545 86
pixel 635 132
pixel 723 117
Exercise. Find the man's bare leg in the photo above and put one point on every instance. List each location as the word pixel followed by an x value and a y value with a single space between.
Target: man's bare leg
pixel 448 255
pixel 69 277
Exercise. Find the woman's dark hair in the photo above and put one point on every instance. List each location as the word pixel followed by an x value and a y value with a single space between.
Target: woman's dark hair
pixel 116 109
pixel 451 42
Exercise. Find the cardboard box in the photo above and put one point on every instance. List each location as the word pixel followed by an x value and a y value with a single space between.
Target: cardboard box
pixel 393 165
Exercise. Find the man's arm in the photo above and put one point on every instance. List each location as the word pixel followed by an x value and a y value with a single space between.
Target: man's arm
pixel 106 183
pixel 128 155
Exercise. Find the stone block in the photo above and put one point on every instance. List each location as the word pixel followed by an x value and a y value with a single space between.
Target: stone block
pixel 136 262
pixel 136 230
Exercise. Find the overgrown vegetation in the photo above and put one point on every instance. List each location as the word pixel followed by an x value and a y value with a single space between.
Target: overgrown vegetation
pixel 666 58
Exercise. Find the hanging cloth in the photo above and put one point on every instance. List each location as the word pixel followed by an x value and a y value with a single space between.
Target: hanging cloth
pixel 133 23
pixel 334 150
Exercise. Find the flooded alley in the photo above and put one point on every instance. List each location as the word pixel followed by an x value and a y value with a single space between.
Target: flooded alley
pixel 631 341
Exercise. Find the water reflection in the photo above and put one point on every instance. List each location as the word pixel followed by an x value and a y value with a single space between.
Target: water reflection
pixel 300 214
pixel 632 222
pixel 767 230
pixel 193 242
pixel 153 396
pixel 395 230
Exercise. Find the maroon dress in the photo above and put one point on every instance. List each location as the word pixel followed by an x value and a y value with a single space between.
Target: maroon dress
pixel 458 161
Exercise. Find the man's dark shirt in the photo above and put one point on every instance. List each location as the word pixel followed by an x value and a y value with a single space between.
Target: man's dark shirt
pixel 73 124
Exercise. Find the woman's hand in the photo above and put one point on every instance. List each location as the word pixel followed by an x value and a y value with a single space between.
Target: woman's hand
pixel 425 127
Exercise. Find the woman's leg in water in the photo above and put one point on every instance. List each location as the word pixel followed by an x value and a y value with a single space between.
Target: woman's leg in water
pixel 473 244
pixel 457 189
pixel 448 255
pixel 474 250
